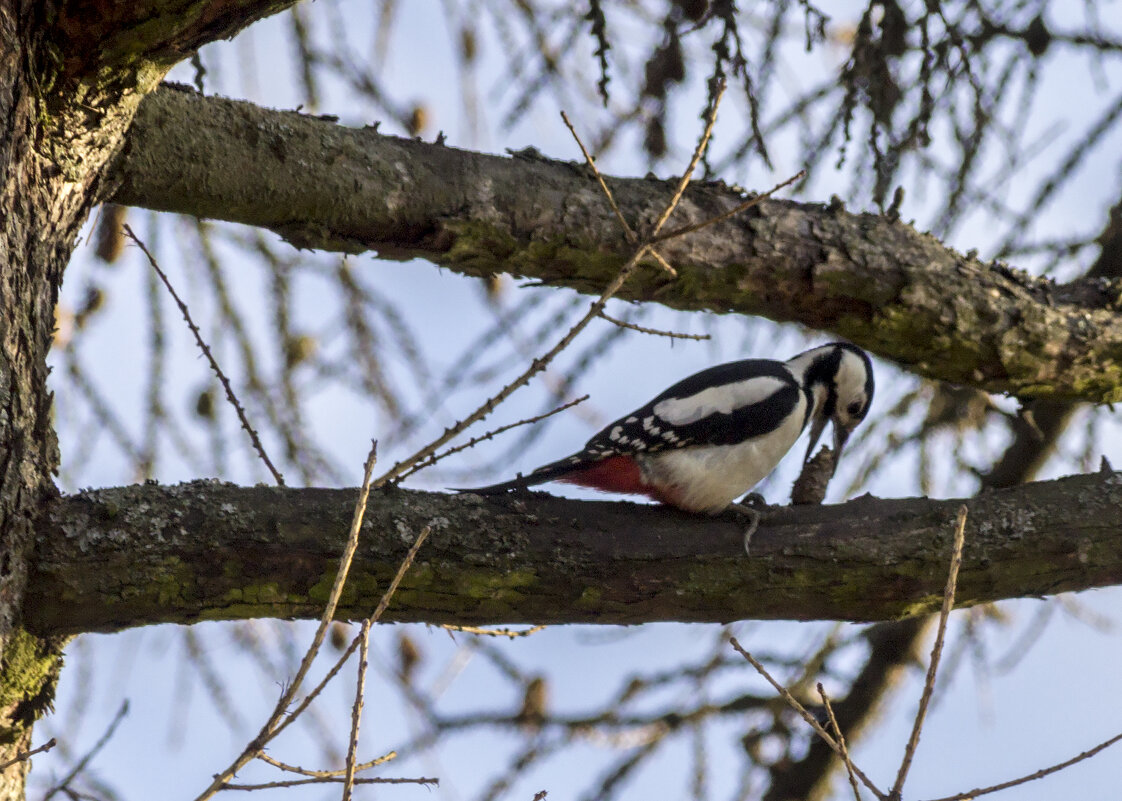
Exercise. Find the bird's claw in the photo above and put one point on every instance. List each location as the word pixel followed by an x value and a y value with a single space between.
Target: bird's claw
pixel 754 500
pixel 754 516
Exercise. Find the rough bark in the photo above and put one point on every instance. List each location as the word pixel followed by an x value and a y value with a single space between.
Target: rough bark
pixel 71 75
pixel 114 558
pixel 874 280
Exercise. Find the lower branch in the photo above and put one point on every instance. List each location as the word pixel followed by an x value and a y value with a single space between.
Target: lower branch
pixel 115 558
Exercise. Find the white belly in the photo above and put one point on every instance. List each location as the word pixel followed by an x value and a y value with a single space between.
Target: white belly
pixel 708 478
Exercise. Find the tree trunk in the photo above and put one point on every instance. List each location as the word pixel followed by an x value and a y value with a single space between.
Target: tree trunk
pixel 57 133
pixel 38 223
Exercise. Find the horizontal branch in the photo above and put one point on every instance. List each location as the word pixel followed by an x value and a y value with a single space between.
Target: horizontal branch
pixel 98 38
pixel 876 281
pixel 114 558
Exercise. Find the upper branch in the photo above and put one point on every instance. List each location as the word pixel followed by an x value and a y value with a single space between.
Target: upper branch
pixel 97 36
pixel 876 281
pixel 114 558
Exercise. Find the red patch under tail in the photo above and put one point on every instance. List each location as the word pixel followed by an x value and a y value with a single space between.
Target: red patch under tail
pixel 615 474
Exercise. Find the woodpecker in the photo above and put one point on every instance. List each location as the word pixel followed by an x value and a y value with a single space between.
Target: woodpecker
pixel 710 438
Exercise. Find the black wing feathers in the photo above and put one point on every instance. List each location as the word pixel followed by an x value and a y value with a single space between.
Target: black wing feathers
pixel 644 431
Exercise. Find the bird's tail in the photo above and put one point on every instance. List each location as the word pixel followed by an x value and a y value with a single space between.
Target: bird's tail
pixel 554 471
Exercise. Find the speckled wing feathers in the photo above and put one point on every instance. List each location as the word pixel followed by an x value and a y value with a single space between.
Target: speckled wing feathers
pixel 723 405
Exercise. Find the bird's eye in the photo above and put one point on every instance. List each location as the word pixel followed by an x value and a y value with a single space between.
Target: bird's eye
pixel 854 409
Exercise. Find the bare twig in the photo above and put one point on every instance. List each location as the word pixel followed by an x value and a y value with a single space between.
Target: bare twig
pixel 536 366
pixel 356 708
pixel 230 396
pixel 272 727
pixel 402 569
pixel 629 232
pixel 1040 774
pixel 936 652
pixel 23 756
pixel 632 237
pixel 841 741
pixel 276 763
pixel 64 785
pixel 809 718
pixel 699 151
pixel 471 443
pixel 747 204
pixel 594 310
pixel 325 780
pixel 653 331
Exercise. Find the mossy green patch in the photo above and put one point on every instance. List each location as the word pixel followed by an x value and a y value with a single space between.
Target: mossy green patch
pixel 29 670
pixel 480 247
pixel 590 598
pixel 493 585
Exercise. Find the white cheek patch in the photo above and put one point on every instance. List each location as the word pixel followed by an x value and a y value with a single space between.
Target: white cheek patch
pixel 718 400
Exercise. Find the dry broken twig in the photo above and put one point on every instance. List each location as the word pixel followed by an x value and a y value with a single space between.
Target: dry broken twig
pixel 471 443
pixel 276 763
pixel 595 309
pixel 23 756
pixel 936 652
pixel 271 727
pixel 356 708
pixel 326 780
pixel 841 742
pixel 654 331
pixel 801 710
pixel 230 396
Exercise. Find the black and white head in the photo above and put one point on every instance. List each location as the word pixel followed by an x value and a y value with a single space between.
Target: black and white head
pixel 838 378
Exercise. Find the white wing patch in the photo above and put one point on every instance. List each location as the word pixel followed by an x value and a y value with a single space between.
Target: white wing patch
pixel 718 400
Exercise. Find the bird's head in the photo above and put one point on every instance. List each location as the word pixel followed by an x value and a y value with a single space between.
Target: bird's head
pixel 839 379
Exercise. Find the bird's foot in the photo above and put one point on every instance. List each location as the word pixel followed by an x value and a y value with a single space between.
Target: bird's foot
pixel 750 508
pixel 754 500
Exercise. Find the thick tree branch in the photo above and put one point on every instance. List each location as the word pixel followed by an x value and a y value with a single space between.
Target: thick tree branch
pixel 114 558
pixel 876 281
pixel 100 36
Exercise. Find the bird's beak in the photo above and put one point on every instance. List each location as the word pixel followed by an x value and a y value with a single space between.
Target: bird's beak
pixel 841 434
pixel 816 427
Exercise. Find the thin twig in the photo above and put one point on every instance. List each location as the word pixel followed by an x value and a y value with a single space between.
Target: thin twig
pixel 936 652
pixel 230 396
pixel 471 443
pixel 536 366
pixel 653 331
pixel 594 310
pixel 511 633
pixel 325 780
pixel 276 763
pixel 402 569
pixel 809 718
pixel 841 741
pixel 747 204
pixel 632 237
pixel 1040 774
pixel 63 785
pixel 699 151
pixel 272 727
pixel 356 708
pixel 23 756
pixel 629 232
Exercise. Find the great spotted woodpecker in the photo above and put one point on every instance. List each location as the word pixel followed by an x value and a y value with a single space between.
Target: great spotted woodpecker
pixel 711 437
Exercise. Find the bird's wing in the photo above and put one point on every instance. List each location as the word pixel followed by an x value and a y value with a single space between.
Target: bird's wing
pixel 723 405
